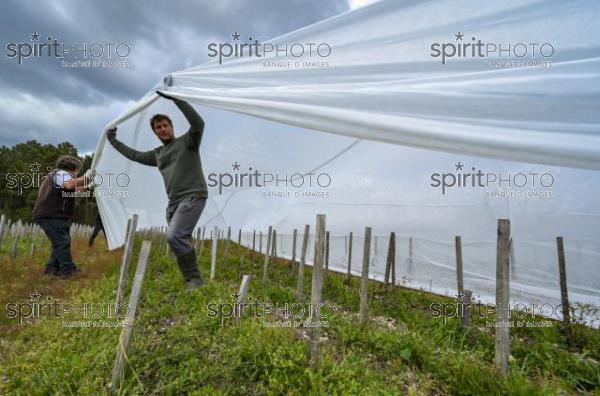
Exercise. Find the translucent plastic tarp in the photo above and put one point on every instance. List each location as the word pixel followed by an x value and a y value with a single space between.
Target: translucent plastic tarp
pixel 382 85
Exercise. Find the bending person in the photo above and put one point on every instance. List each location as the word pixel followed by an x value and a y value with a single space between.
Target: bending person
pixel 178 160
pixel 53 211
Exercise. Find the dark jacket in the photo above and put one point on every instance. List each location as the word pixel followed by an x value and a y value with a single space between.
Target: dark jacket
pixel 50 202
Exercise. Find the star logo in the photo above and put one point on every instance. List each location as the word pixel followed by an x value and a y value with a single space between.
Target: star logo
pixel 460 297
pixel 459 166
pixel 235 296
pixel 236 36
pixel 459 36
pixel 35 296
pixel 35 166
pixel 35 36
pixel 236 166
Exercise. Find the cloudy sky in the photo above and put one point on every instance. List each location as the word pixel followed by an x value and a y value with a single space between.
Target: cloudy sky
pixel 40 99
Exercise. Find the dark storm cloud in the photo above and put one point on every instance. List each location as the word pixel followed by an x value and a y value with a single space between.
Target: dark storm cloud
pixel 163 36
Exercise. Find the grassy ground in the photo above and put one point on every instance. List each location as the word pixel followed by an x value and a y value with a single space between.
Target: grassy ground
pixel 178 348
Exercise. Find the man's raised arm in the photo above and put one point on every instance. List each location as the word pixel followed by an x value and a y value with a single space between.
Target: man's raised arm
pixel 143 157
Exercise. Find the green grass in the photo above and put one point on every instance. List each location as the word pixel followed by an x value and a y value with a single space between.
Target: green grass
pixel 176 348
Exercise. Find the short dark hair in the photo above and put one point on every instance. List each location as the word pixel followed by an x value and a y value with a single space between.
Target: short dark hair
pixel 159 117
pixel 68 163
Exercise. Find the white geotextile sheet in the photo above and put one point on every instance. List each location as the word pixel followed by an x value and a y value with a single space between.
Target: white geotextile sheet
pixel 382 86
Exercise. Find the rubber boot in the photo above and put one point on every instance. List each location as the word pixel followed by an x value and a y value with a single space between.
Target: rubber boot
pixel 189 269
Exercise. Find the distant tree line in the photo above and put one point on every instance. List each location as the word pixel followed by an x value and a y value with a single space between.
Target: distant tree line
pixel 22 168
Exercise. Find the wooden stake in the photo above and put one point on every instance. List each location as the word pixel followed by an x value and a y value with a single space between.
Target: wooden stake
pixel 267 255
pixel 13 255
pixel 293 262
pixel 349 276
pixel 564 295
pixel 253 245
pixel 127 252
pixel 394 260
pixel 2 226
pixel 300 287
pixel 274 244
pixel 213 257
pixel 227 242
pixel 326 258
pixel 241 296
pixel 125 335
pixel 466 312
pixel 316 290
pixel 502 297
pixel 202 241
pixel 459 266
pixel 6 232
pixel 364 282
pixel 390 259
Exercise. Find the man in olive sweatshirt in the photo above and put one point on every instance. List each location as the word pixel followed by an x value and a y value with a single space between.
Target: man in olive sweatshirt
pixel 178 160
